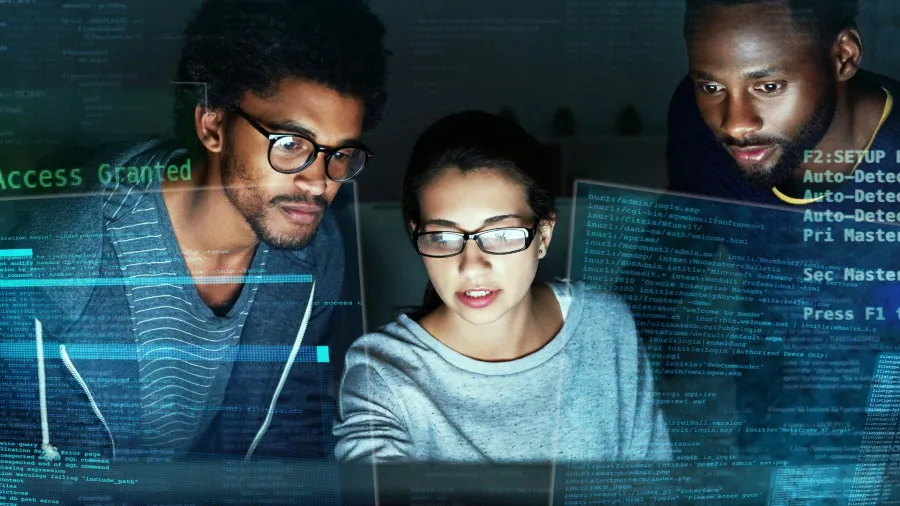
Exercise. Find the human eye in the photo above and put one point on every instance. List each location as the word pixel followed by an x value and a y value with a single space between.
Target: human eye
pixel 439 238
pixel 292 144
pixel 439 243
pixel 343 156
pixel 505 234
pixel 710 88
pixel 504 239
pixel 769 88
pixel 345 152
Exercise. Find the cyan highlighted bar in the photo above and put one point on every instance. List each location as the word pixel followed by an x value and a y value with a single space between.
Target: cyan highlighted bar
pixel 26 350
pixel 157 280
pixel 322 353
pixel 16 252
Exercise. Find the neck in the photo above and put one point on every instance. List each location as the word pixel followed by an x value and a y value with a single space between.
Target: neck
pixel 524 329
pixel 857 113
pixel 205 222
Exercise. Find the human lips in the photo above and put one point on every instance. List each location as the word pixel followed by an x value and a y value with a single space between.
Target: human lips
pixel 478 297
pixel 751 154
pixel 301 213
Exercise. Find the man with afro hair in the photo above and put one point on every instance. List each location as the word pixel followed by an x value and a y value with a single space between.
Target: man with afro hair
pixel 218 258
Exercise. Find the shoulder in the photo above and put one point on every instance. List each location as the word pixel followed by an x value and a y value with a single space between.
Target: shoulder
pixel 892 85
pixel 606 328
pixel 888 134
pixel 604 315
pixel 74 224
pixel 599 303
pixel 394 351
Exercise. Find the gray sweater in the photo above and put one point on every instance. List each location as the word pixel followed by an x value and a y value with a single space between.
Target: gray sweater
pixel 585 396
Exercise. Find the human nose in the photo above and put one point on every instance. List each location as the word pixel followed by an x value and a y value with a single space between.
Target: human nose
pixel 472 261
pixel 740 117
pixel 313 179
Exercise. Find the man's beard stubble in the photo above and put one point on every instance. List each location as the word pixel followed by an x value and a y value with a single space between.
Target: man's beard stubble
pixel 245 196
pixel 793 149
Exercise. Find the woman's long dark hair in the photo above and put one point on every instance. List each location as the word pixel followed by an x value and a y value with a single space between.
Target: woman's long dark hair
pixel 471 141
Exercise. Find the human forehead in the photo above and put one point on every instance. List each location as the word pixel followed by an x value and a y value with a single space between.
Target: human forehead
pixel 468 199
pixel 746 36
pixel 309 108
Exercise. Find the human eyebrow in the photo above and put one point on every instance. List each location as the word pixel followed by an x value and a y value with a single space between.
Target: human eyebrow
pixel 286 126
pixel 441 223
pixel 750 74
pixel 488 221
pixel 763 73
pixel 292 127
pixel 502 217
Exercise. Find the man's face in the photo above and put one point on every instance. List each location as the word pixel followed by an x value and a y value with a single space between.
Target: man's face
pixel 763 87
pixel 285 209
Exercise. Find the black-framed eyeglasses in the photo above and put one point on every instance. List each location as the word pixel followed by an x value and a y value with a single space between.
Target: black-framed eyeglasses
pixel 291 153
pixel 497 241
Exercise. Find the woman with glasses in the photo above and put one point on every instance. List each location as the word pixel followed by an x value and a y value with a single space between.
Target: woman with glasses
pixel 495 367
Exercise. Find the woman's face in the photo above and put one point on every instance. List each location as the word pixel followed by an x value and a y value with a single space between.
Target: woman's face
pixel 480 287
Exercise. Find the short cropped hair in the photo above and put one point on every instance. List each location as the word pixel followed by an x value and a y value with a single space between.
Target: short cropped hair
pixel 821 19
pixel 234 46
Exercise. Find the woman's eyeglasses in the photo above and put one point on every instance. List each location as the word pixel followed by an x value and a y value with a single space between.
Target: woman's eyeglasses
pixel 497 241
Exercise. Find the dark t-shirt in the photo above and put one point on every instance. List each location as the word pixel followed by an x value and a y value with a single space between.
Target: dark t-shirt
pixel 767 397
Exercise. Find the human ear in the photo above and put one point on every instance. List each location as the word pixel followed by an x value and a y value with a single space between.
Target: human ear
pixel 545 234
pixel 847 52
pixel 209 125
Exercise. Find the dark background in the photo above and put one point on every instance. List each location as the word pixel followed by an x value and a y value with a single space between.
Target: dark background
pixel 531 56
pixel 77 75
pixel 69 78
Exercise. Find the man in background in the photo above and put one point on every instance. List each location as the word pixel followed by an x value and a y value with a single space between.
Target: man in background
pixel 775 94
pixel 218 260
pixel 776 110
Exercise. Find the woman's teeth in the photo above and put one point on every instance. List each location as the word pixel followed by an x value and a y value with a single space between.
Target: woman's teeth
pixel 479 293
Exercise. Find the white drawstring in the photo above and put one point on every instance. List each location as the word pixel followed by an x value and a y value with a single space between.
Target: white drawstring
pixel 74 372
pixel 284 374
pixel 49 451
